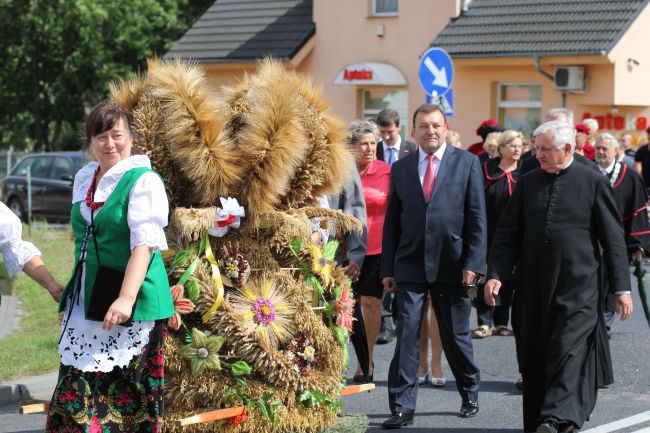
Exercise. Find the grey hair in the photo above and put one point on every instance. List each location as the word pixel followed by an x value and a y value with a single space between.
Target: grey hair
pixel 610 137
pixel 359 128
pixel 555 113
pixel 591 123
pixel 563 133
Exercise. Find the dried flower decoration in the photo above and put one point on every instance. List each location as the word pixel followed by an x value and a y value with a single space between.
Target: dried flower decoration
pixel 265 312
pixel 181 306
pixel 344 309
pixel 234 267
pixel 302 353
pixel 322 260
pixel 203 351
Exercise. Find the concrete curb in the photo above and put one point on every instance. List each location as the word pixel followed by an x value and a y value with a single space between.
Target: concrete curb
pixel 32 387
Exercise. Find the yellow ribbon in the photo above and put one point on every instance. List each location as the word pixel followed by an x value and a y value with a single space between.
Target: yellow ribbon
pixel 216 276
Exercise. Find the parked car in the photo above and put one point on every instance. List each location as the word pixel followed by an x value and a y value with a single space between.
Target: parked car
pixel 52 179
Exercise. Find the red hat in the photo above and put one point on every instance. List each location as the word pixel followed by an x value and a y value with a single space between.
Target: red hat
pixel 581 127
pixel 491 123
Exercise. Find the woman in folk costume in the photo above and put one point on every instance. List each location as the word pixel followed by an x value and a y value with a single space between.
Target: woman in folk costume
pixel 111 375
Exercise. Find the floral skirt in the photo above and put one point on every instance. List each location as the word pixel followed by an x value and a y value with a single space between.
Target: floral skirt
pixel 125 400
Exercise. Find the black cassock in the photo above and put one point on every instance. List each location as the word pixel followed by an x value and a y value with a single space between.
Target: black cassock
pixel 630 198
pixel 551 228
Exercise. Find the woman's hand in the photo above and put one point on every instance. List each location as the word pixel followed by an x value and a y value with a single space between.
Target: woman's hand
pixel 55 289
pixel 118 312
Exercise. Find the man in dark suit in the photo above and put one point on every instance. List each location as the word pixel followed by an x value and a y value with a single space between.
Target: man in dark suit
pixel 390 149
pixel 435 241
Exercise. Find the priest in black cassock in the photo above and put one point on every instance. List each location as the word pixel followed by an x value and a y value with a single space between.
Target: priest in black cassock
pixel 553 228
pixel 630 197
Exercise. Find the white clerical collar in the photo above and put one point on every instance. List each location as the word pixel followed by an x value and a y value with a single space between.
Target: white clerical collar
pixel 438 153
pixel 397 145
pixel 609 169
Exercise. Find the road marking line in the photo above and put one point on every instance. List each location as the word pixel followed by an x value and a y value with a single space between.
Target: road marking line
pixel 645 430
pixel 622 423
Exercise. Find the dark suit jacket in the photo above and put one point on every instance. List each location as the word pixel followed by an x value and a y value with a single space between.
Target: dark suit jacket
pixel 435 242
pixel 405 148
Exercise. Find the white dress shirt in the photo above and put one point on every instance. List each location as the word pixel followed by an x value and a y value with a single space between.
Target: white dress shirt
pixel 423 162
pixel 397 145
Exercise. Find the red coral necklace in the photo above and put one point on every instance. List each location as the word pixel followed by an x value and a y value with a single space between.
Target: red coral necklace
pixel 93 205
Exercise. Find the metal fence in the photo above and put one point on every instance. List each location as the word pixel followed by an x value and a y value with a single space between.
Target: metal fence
pixel 8 159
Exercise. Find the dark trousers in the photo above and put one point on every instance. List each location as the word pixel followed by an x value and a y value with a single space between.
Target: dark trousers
pixel 452 308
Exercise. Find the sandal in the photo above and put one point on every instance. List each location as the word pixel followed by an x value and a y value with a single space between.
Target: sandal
pixel 482 332
pixel 503 331
pixel 438 381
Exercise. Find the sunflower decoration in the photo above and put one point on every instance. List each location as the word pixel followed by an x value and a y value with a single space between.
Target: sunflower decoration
pixel 234 266
pixel 322 260
pixel 181 306
pixel 203 351
pixel 264 311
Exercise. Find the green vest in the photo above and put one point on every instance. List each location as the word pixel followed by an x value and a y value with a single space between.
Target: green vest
pixel 113 240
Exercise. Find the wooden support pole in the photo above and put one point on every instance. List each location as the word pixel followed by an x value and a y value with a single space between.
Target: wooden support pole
pixel 356 389
pixel 230 412
pixel 212 415
pixel 33 408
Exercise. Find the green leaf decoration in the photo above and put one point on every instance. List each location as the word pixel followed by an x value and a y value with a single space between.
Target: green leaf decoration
pixel 315 399
pixel 193 289
pixel 295 244
pixel 181 257
pixel 189 271
pixel 204 240
pixel 329 249
pixel 241 368
pixel 312 281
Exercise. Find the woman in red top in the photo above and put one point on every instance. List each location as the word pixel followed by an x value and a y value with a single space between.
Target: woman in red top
pixel 375 178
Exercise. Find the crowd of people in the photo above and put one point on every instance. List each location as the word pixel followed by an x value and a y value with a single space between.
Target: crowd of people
pixel 550 223
pixel 535 235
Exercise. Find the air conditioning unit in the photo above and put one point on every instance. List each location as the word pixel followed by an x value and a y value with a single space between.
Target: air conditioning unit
pixel 570 78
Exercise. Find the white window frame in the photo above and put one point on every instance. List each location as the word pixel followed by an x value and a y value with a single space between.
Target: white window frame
pixel 403 116
pixel 517 104
pixel 383 14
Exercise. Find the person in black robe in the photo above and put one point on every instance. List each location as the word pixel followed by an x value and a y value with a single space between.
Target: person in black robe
pixel 553 228
pixel 631 199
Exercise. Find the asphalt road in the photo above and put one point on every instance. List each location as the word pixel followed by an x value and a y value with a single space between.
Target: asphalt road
pixel 500 401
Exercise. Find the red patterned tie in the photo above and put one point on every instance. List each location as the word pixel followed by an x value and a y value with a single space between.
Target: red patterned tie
pixel 429 178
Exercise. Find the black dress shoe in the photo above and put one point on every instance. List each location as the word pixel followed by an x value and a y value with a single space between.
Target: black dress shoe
pixel 548 426
pixel 552 425
pixel 385 336
pixel 398 420
pixel 468 409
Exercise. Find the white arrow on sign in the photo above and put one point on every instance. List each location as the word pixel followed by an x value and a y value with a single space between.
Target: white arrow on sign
pixel 439 75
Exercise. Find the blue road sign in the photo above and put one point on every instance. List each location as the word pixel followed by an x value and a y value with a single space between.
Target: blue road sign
pixel 436 72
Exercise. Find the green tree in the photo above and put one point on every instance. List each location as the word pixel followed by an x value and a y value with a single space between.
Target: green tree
pixel 60 55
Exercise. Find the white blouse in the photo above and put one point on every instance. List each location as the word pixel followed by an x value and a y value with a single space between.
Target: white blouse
pixel 15 251
pixel 85 345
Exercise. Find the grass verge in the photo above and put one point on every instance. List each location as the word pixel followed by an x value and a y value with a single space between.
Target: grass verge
pixel 32 348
